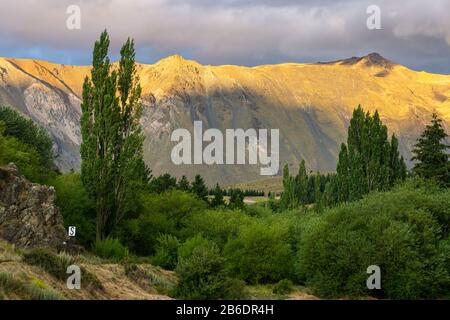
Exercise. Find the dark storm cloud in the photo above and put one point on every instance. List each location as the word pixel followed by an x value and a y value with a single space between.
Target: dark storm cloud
pixel 249 32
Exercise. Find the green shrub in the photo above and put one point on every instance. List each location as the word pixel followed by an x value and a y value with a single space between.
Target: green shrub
pixel 284 286
pixel 29 133
pixel 187 248
pixel 110 248
pixel 24 156
pixel 33 291
pixel 261 253
pixel 202 276
pixel 218 225
pixel 400 231
pixel 166 213
pixel 166 255
pixel 76 207
pixel 149 279
pixel 56 265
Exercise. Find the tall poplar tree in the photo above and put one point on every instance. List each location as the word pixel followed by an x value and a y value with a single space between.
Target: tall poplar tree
pixel 289 197
pixel 368 162
pixel 301 182
pixel 112 168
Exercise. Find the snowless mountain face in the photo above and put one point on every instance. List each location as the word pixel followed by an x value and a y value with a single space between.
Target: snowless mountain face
pixel 310 104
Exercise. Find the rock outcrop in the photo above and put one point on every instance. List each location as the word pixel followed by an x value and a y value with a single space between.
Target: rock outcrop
pixel 28 215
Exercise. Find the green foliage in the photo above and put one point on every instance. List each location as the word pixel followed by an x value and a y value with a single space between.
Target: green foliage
pixel 430 153
pixel 202 276
pixel 24 156
pixel 166 255
pixel 217 225
pixel 199 188
pixel 164 183
pixel 26 131
pixel 112 167
pixel 284 286
pixel 166 213
pixel 318 193
pixel 261 253
pixel 217 200
pixel 369 162
pixel 56 265
pixel 183 184
pixel 76 207
pixel 32 291
pixel 301 184
pixel 187 248
pixel 110 248
pixel 236 199
pixel 405 237
pixel 289 197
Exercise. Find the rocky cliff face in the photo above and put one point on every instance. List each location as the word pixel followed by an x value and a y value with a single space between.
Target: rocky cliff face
pixel 28 216
pixel 310 104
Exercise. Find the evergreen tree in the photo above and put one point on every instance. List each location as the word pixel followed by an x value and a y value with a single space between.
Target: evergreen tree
pixel 330 195
pixel 112 168
pixel 301 182
pixel 318 192
pixel 430 153
pixel 236 199
pixel 217 200
pixel 163 183
pixel 183 184
pixel 199 188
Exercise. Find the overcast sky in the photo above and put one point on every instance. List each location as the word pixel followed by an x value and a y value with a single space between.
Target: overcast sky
pixel 415 33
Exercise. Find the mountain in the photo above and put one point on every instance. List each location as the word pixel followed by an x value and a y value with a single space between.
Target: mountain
pixel 311 105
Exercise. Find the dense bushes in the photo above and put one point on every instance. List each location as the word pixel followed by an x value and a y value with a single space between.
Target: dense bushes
pixel 218 225
pixel 29 133
pixel 166 213
pixel 404 232
pixel 261 253
pixel 76 207
pixel 26 145
pixel 202 275
pixel 166 255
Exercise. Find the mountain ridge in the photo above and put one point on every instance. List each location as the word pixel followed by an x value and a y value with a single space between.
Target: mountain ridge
pixel 311 104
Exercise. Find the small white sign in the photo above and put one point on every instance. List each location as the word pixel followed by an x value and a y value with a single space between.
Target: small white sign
pixel 72 231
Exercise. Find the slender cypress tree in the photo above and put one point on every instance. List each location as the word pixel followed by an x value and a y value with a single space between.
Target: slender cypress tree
pixel 430 153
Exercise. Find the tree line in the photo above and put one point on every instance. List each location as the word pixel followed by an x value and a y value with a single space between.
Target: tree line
pixel 368 162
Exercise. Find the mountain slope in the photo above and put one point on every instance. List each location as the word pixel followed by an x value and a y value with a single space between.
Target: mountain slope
pixel 311 104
